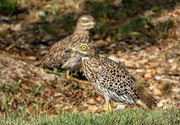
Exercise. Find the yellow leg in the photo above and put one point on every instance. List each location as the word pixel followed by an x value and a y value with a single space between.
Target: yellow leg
pixel 67 75
pixel 108 107
pixel 75 79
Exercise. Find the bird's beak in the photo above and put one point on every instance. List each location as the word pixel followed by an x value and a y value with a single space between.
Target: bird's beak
pixel 94 24
pixel 71 50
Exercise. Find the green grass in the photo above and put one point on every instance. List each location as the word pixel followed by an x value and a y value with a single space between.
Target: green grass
pixel 138 26
pixel 13 7
pixel 163 28
pixel 9 7
pixel 134 26
pixel 133 7
pixel 119 117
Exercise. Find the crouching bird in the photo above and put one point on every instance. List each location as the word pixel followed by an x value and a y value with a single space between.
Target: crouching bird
pixel 111 79
pixel 57 58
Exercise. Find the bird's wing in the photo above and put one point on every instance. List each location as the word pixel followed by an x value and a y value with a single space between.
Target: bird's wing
pixel 116 79
pixel 56 55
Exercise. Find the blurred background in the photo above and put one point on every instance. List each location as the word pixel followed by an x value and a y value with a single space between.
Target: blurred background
pixel 144 35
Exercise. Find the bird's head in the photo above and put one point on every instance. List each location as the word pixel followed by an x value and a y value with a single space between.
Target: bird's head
pixel 86 22
pixel 84 49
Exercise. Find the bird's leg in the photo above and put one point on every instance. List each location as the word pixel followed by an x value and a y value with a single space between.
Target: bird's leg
pixel 75 79
pixel 108 107
pixel 67 75
pixel 79 81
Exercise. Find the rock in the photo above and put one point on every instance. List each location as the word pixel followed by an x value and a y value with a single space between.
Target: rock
pixel 112 45
pixel 41 14
pixel 43 52
pixel 148 13
pixel 5 18
pixel 147 43
pixel 163 18
pixel 120 106
pixel 136 48
pixel 123 43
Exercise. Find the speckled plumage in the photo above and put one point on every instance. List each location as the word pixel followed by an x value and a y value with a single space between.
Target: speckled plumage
pixel 108 76
pixel 57 58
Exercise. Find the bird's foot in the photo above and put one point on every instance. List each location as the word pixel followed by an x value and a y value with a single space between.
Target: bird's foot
pixel 78 81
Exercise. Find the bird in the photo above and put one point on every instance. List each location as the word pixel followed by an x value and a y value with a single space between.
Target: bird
pixel 111 78
pixel 57 58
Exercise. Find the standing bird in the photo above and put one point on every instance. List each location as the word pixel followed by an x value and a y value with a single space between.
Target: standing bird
pixel 110 78
pixel 57 58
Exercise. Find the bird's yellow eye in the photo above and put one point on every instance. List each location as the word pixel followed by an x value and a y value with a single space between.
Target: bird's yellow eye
pixel 83 47
pixel 84 21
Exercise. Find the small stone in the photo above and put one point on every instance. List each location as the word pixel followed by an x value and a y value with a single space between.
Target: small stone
pixel 163 18
pixel 121 106
pixel 112 45
pixel 148 75
pixel 123 43
pixel 5 18
pixel 147 43
pixel 136 48
pixel 41 13
pixel 43 52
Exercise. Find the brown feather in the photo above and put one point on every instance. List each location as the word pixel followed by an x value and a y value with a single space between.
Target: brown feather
pixel 146 98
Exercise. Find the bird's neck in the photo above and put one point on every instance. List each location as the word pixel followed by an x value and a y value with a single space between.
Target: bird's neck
pixel 81 31
pixel 93 61
pixel 80 36
pixel 91 67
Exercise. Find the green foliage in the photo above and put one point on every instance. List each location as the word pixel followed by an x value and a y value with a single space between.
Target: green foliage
pixel 2 84
pixel 55 70
pixel 4 102
pixel 138 26
pixel 102 11
pixel 133 26
pixel 47 27
pixel 163 28
pixel 131 7
pixel 53 8
pixel 88 94
pixel 9 7
pixel 10 88
pixel 69 23
pixel 119 117
pixel 36 89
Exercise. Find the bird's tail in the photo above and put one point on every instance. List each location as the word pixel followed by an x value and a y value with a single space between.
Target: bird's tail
pixel 40 62
pixel 145 97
